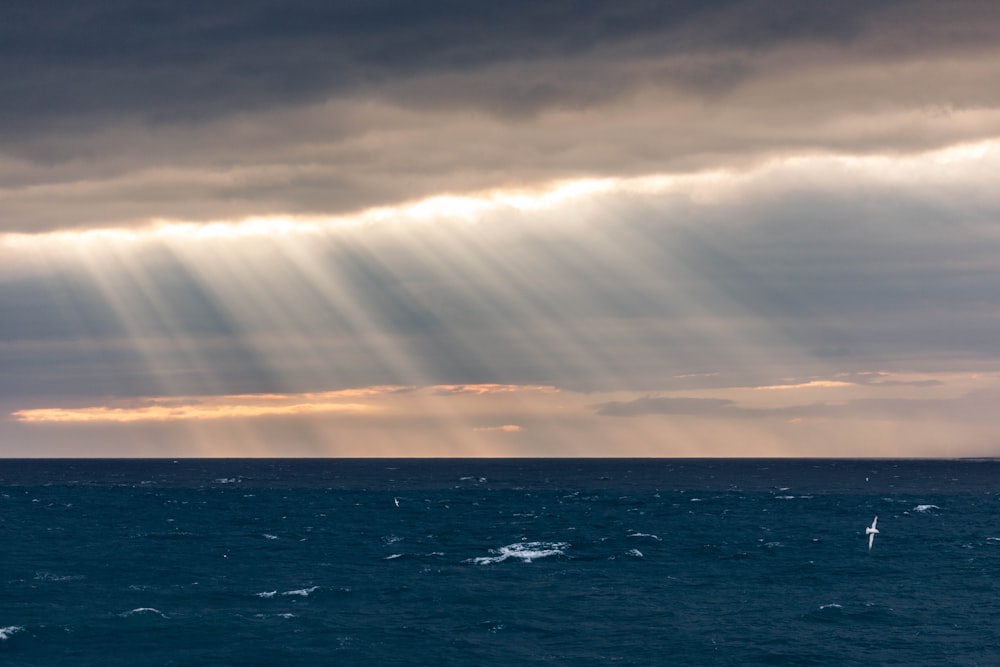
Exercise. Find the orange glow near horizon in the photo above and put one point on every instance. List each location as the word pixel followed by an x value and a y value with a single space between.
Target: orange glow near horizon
pixel 356 401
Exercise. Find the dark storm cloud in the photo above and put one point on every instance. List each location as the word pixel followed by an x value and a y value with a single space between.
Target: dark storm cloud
pixel 115 114
pixel 67 60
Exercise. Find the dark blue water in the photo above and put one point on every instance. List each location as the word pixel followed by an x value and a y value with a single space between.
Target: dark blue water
pixel 499 562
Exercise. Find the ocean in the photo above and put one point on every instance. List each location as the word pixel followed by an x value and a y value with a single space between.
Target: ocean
pixel 499 562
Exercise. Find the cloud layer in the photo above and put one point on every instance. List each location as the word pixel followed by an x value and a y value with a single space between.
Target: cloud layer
pixel 118 115
pixel 217 219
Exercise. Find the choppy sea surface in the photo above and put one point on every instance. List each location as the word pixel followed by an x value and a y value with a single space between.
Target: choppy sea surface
pixel 499 562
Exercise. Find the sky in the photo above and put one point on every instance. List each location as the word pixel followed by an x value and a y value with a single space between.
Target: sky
pixel 555 229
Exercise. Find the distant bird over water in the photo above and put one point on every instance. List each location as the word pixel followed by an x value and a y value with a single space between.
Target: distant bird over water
pixel 396 500
pixel 871 532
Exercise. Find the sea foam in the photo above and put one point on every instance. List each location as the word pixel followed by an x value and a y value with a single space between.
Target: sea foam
pixel 5 633
pixel 143 610
pixel 48 576
pixel 649 535
pixel 300 592
pixel 526 551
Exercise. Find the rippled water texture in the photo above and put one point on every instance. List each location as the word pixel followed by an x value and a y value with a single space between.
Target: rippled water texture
pixel 575 562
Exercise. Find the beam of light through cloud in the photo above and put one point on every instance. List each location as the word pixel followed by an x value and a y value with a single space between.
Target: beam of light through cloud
pixel 697 230
pixel 569 240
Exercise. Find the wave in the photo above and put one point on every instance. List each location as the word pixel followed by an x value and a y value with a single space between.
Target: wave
pixel 5 633
pixel 925 508
pixel 48 576
pixel 300 592
pixel 636 553
pixel 143 610
pixel 525 551
pixel 866 613
pixel 645 535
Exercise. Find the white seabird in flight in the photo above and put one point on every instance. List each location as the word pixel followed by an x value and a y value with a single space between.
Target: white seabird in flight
pixel 871 532
pixel 396 500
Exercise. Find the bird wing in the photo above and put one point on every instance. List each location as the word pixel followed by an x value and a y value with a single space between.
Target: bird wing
pixel 871 540
pixel 875 520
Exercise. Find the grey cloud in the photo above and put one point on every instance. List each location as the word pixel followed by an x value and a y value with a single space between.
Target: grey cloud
pixel 191 59
pixel 118 114
pixel 700 407
pixel 908 383
pixel 966 408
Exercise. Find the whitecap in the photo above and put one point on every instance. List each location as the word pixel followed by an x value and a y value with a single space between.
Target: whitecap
pixel 143 610
pixel 304 592
pixel 393 557
pixel 526 551
pixel 48 576
pixel 645 535
pixel 832 605
pixel 635 552
pixel 268 536
pixel 267 594
pixel 5 633
pixel 226 480
pixel 925 508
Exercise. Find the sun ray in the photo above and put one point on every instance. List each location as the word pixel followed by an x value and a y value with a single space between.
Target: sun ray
pixel 609 286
